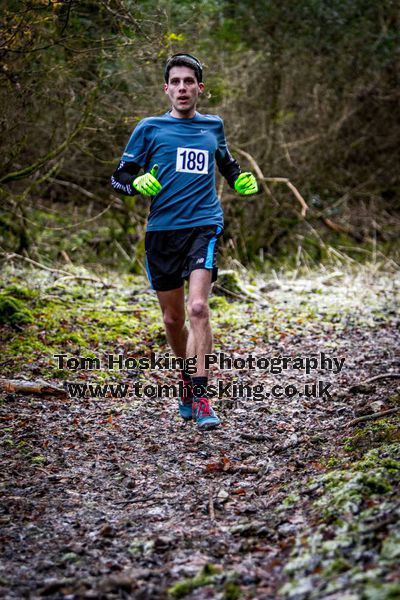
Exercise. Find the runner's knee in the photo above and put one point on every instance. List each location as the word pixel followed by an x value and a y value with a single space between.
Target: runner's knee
pixel 198 309
pixel 173 321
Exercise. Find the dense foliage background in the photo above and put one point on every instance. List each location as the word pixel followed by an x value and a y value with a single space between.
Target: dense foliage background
pixel 308 90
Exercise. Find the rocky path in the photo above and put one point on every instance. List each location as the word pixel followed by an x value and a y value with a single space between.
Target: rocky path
pixel 293 497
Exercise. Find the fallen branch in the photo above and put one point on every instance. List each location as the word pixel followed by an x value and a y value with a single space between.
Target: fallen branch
pixel 355 388
pixel 254 437
pixel 10 256
pixel 258 171
pixel 260 175
pixel 216 286
pixel 39 387
pixel 65 274
pixel 211 504
pixel 134 500
pixel 337 228
pixel 82 278
pixel 381 376
pixel 244 469
pixel 378 415
pixel 297 195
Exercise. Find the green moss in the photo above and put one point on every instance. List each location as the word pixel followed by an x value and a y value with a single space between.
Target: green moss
pixel 38 459
pixel 29 347
pixel 391 465
pixel 206 576
pixel 60 374
pixel 375 484
pixel 371 433
pixel 157 333
pixel 219 303
pixel 382 431
pixel 382 591
pixel 339 565
pixel 229 280
pixel 20 292
pixel 13 311
pixel 73 338
pixel 290 500
pixel 181 588
pixel 232 591
pixel 72 328
pixel 345 491
pixel 351 501
pixel 395 399
pixel 70 557
pixel 391 547
pixel 387 455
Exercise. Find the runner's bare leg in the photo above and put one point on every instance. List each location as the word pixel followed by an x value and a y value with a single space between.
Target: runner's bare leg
pixel 172 305
pixel 200 335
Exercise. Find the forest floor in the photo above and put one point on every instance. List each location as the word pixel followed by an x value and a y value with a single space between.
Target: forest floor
pixel 295 496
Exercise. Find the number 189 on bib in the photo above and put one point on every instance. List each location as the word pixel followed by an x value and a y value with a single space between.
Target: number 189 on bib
pixel 191 160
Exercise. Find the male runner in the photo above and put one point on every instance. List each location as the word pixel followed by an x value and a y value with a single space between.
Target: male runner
pixel 177 152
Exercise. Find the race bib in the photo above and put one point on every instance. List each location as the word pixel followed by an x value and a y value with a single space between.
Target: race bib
pixel 191 160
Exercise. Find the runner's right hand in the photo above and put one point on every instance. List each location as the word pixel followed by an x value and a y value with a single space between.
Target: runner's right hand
pixel 147 184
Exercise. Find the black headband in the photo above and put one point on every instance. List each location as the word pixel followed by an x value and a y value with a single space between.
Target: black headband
pixel 190 58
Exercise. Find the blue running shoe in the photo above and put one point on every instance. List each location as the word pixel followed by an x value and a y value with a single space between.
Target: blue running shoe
pixel 185 402
pixel 185 410
pixel 204 415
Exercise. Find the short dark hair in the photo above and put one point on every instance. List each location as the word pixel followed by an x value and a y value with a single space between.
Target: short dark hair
pixel 184 60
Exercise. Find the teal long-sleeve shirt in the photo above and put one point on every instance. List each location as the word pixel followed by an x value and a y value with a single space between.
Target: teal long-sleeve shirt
pixel 186 151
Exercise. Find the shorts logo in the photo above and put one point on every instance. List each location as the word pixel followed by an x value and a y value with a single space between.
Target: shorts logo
pixel 192 160
pixel 199 261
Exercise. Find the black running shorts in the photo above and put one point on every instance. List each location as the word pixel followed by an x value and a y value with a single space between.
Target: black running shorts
pixel 172 255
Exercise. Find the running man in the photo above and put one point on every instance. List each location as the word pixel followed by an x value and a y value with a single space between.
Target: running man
pixel 177 152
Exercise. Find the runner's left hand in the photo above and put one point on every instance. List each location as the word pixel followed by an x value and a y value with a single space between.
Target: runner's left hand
pixel 246 184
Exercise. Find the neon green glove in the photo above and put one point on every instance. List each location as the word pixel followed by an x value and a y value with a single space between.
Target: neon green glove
pixel 246 184
pixel 147 184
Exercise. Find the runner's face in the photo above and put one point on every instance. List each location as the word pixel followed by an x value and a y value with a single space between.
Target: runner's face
pixel 183 90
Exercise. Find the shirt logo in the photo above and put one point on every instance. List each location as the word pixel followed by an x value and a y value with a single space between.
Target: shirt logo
pixel 199 261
